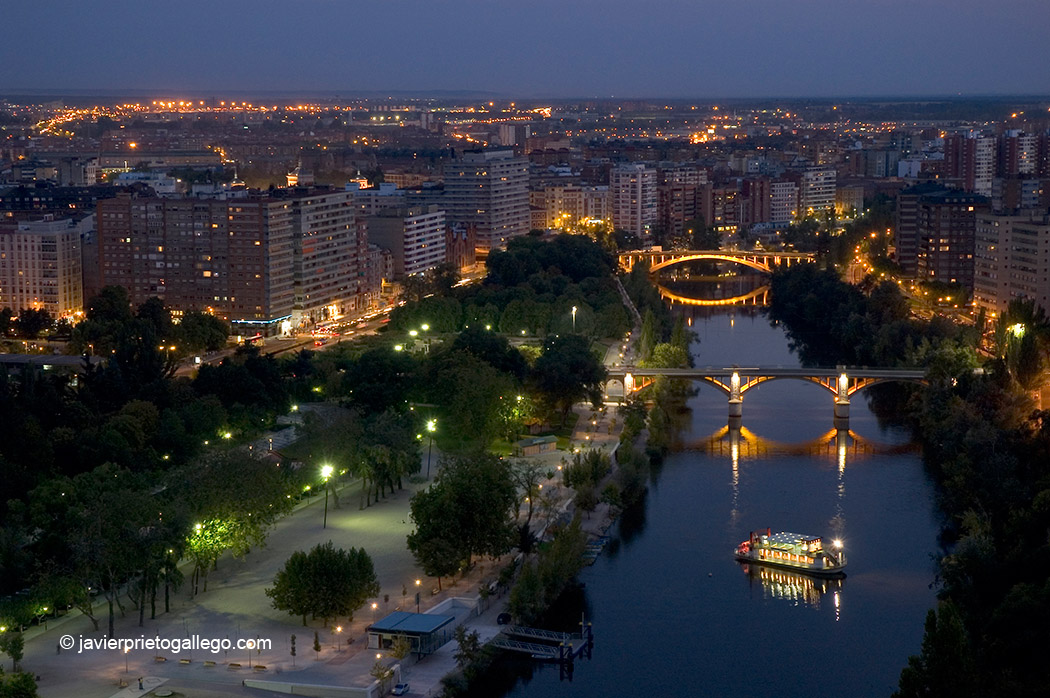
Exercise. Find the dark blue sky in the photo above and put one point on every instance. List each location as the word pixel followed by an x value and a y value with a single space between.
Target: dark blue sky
pixel 539 48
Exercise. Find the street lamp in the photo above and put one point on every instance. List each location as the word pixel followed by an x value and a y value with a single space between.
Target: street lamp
pixel 431 427
pixel 418 582
pixel 326 472
pixel 374 607
pixel 574 319
pixel 126 650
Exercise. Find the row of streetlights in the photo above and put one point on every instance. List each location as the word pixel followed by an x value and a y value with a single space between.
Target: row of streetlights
pixel 327 470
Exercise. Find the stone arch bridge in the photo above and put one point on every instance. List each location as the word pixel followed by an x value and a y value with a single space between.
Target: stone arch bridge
pixel 842 382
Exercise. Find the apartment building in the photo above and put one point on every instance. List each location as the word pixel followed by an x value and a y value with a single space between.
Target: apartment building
pixel 40 265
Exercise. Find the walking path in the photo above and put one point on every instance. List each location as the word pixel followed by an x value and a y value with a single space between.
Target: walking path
pixel 235 606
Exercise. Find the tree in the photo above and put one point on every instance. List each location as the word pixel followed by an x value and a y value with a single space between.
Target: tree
pixel 17 685
pixel 325 582
pixel 702 236
pixel 586 500
pixel 381 673
pixel 468 646
pixel 945 667
pixel 381 379
pixel 401 647
pixel 493 349
pixel 32 322
pixel 233 498
pixel 317 644
pixel 200 331
pixel 13 644
pixel 567 371
pixel 468 511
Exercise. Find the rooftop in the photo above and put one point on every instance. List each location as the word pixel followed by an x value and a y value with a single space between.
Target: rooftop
pixel 410 623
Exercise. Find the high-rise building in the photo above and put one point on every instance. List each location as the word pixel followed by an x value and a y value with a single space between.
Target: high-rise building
pixel 677 196
pixel 264 261
pixel 415 238
pixel 783 202
pixel 570 205
pixel 1017 193
pixel 512 134
pixel 327 256
pixel 755 201
pixel 906 237
pixel 946 228
pixel 970 159
pixel 1011 260
pixel 1018 154
pixel 40 265
pixel 489 189
pixel 633 190
pixel 816 192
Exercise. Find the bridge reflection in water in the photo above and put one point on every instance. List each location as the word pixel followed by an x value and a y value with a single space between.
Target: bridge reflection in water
pixel 841 444
pixel 757 296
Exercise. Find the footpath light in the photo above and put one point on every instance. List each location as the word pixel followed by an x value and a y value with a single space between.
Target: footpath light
pixel 326 472
pixel 431 428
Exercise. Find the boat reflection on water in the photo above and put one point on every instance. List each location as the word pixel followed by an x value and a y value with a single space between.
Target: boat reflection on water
pixel 794 587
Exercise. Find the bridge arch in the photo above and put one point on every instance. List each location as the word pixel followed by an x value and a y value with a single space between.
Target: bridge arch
pixel 711 256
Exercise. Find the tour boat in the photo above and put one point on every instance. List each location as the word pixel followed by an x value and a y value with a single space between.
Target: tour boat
pixel 793 551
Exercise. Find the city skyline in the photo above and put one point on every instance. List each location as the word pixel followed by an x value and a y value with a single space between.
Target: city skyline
pixel 674 49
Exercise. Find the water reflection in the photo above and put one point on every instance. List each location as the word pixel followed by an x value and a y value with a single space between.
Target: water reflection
pixel 841 445
pixel 799 589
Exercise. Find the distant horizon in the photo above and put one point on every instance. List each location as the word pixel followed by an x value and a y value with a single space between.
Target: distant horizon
pixel 156 93
pixel 545 49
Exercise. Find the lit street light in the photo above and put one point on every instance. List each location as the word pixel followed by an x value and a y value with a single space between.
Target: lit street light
pixel 326 472
pixel 431 428
pixel 574 319
pixel 418 582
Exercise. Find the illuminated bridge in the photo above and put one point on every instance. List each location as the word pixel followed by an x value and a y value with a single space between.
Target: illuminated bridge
pixel 842 382
pixel 758 260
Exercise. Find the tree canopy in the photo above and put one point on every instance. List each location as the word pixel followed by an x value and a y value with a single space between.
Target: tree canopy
pixel 324 583
pixel 468 511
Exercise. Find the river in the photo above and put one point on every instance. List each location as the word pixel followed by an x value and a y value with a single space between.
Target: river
pixel 675 615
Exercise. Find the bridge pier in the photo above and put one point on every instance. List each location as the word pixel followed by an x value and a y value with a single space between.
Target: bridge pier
pixel 736 399
pixel 842 409
pixel 842 401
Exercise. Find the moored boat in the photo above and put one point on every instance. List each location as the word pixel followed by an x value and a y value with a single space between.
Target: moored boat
pixel 794 551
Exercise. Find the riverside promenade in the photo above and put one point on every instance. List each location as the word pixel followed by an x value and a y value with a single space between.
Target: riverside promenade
pixel 235 606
